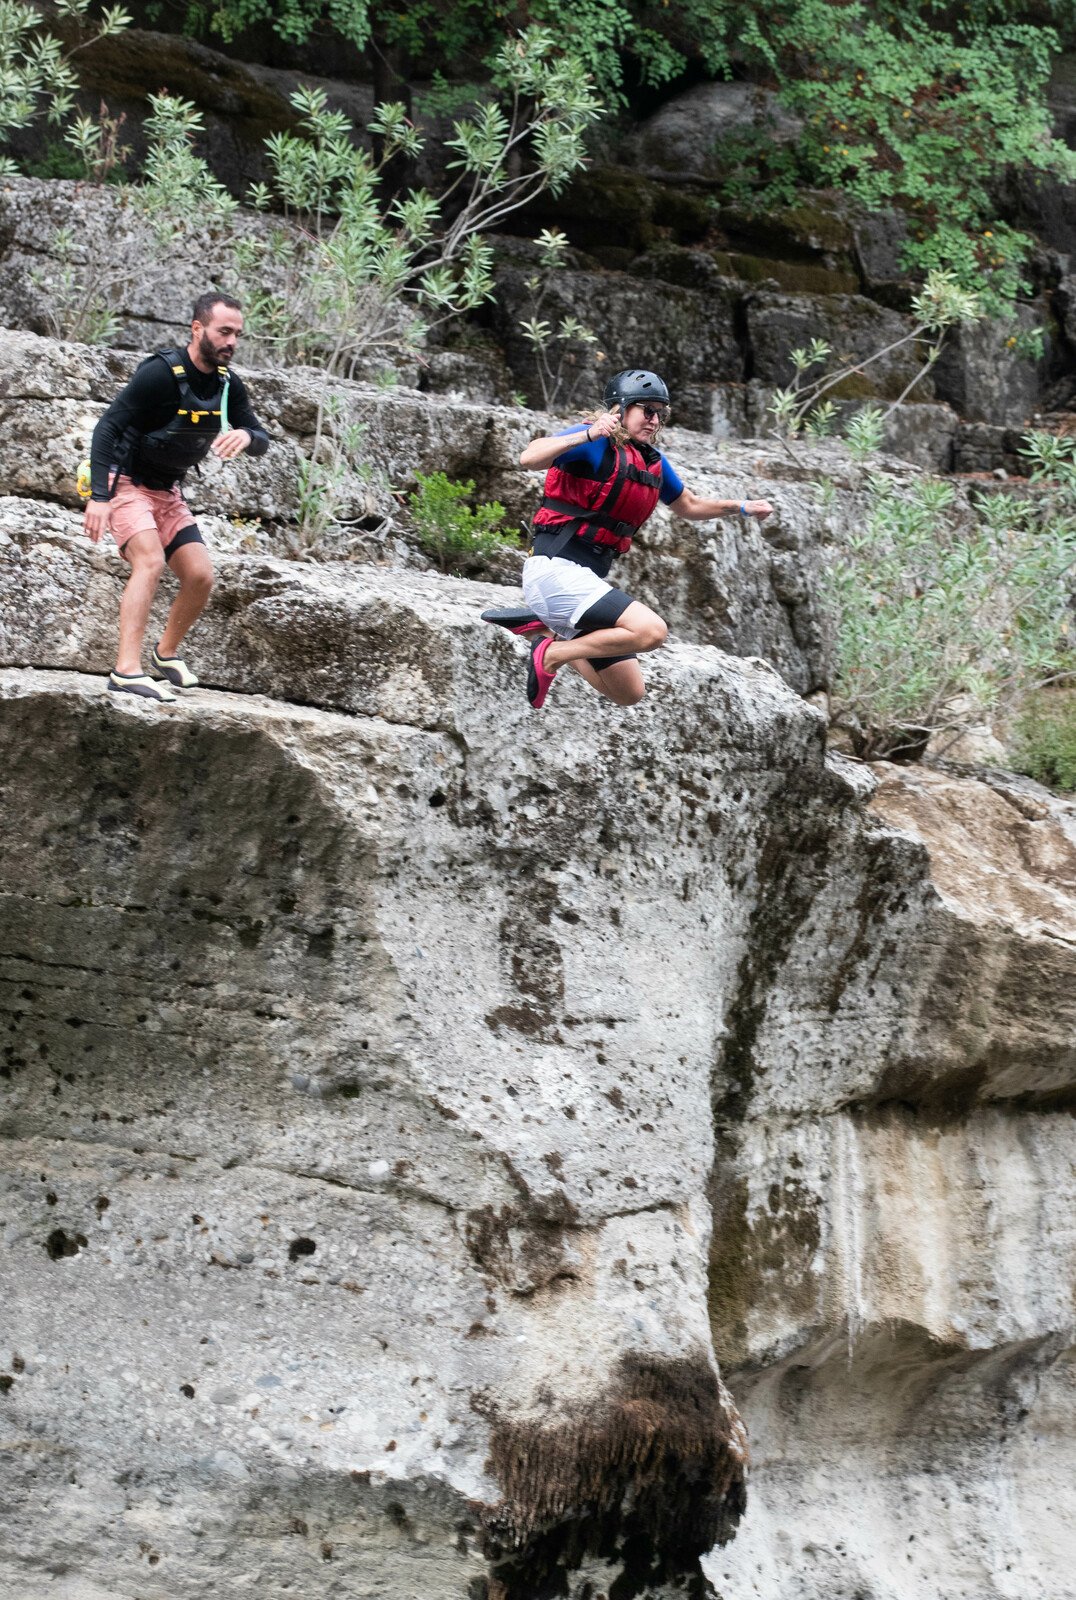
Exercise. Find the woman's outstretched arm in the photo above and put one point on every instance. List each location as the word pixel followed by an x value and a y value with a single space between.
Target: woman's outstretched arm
pixel 696 509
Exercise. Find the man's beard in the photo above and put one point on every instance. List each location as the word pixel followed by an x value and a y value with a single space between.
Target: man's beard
pixel 211 354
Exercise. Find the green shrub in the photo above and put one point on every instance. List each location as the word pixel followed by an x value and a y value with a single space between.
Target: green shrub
pixel 942 621
pixel 57 160
pixel 36 76
pixel 1043 741
pixel 449 529
pixel 864 432
pixel 917 107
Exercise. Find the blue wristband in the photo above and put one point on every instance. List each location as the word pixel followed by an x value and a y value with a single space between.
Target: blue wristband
pixel 743 509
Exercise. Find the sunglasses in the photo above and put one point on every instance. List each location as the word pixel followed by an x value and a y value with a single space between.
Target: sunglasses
pixel 656 413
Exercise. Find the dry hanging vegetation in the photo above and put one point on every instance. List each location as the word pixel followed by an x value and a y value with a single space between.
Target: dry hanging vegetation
pixel 653 1472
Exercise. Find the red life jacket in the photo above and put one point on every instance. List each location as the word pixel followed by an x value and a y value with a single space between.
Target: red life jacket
pixel 603 511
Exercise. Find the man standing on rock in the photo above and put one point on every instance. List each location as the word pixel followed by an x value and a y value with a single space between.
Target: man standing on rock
pixel 181 406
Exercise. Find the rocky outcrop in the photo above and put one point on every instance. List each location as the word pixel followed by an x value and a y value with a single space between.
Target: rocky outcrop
pixel 688 331
pixel 892 1278
pixel 748 590
pixel 359 1062
pixel 717 316
pixel 454 1154
pixel 982 373
pixel 67 247
pixel 440 1144
pixel 684 138
pixel 408 1101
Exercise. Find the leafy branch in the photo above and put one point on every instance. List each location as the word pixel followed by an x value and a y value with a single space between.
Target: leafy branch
pixel 940 305
pixel 36 76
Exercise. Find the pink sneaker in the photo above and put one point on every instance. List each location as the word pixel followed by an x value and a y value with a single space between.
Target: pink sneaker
pixel 539 681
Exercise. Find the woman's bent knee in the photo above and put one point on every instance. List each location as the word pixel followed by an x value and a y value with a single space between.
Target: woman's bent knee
pixel 652 635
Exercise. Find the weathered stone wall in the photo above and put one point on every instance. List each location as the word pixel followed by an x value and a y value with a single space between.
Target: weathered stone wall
pixel 429 1131
pixel 407 1100
pixel 719 323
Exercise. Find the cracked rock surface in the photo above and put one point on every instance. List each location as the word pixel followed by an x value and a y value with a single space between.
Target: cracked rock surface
pixel 305 1042
pixel 414 1112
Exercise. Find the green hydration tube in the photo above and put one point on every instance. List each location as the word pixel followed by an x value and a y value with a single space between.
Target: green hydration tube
pixel 225 425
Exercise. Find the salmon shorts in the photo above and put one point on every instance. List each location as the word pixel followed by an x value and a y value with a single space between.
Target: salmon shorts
pixel 135 509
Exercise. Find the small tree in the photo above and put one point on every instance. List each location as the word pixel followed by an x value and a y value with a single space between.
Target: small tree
pixel 366 279
pixel 179 197
pixel 176 203
pixel 566 356
pixel 362 280
pixel 940 305
pixel 36 75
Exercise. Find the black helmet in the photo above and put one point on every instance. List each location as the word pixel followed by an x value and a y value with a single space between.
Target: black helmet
pixel 632 385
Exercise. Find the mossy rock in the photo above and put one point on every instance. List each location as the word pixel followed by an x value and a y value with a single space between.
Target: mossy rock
pixel 614 204
pixel 702 268
pixel 794 277
pixel 855 329
pixel 688 214
pixel 687 268
pixel 822 223
pixel 857 386
pixel 761 1261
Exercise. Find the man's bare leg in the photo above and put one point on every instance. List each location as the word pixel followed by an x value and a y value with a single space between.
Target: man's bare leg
pixel 194 569
pixel 143 552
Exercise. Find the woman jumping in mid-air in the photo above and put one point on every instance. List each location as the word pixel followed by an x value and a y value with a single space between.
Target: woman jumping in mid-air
pixel 604 478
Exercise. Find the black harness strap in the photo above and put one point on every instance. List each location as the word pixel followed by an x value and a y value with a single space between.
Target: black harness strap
pixel 639 475
pixel 623 467
pixel 580 515
pixel 562 539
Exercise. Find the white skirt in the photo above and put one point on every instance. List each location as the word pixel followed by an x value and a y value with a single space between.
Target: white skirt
pixel 560 591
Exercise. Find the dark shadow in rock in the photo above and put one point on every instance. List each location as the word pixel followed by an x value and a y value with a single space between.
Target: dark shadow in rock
pixel 649 1476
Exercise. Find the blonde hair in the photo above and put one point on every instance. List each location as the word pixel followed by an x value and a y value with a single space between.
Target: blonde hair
pixel 620 434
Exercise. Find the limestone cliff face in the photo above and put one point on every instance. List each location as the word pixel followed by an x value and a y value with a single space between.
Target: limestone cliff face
pixel 432 1131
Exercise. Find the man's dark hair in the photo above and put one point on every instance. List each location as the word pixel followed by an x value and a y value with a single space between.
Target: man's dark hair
pixel 203 306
